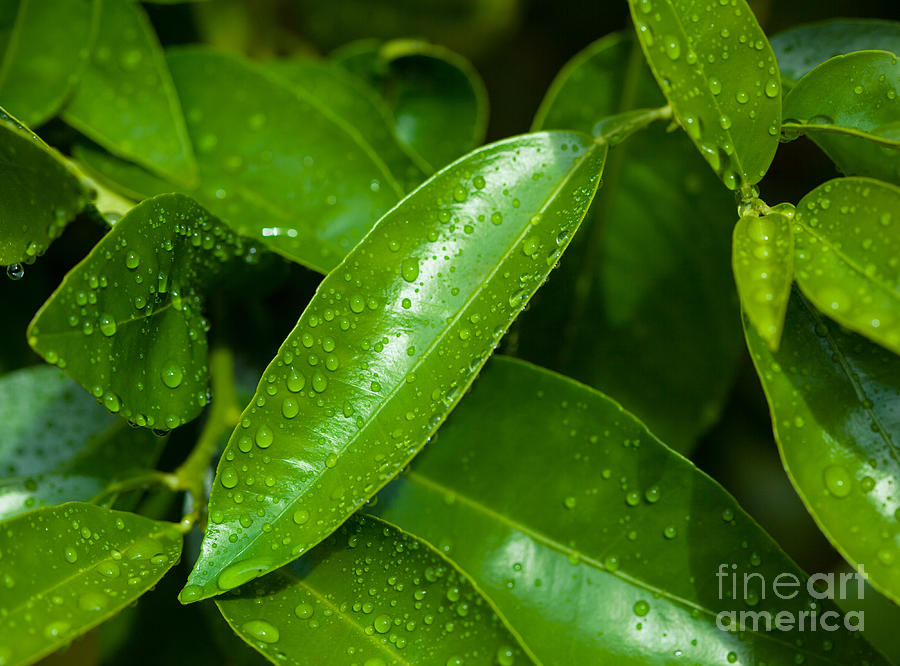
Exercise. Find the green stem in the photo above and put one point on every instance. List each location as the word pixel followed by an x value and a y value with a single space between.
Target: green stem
pixel 224 414
pixel 138 482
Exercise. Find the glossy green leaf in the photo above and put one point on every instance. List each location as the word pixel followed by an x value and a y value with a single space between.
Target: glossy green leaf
pixel 44 46
pixel 359 106
pixel 849 107
pixel 438 100
pixel 762 257
pixel 126 322
pixel 387 347
pixel 644 297
pixel 39 196
pixel 833 397
pixel 801 49
pixel 405 604
pixel 57 445
pixel 854 95
pixel 275 164
pixel 597 543
pixel 68 568
pixel 717 70
pixel 125 100
pixel 846 251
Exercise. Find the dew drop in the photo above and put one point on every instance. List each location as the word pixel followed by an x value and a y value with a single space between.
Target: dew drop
pixel 261 631
pixel 172 375
pixel 837 481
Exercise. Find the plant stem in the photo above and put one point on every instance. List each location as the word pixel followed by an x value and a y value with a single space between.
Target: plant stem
pixel 224 414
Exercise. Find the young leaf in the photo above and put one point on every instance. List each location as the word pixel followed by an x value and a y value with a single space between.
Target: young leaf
pixel 763 260
pixel 801 49
pixel 833 397
pixel 387 347
pixel 39 196
pixel 576 522
pixel 845 255
pixel 44 46
pixel 644 296
pixel 126 323
pixel 312 612
pixel 717 70
pixel 125 100
pixel 357 105
pixel 57 445
pixel 68 568
pixel 438 100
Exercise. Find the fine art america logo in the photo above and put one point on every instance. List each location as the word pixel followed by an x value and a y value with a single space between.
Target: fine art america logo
pixel 752 588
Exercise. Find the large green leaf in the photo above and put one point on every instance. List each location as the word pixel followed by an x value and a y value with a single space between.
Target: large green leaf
pixel 438 100
pixel 275 164
pixel 359 106
pixel 39 196
pixel 802 48
pixel 846 253
pixel 833 397
pixel 387 347
pixel 403 604
pixel 645 296
pixel 67 568
pixel 762 256
pixel 717 70
pixel 126 323
pixel 45 45
pixel 125 100
pixel 848 105
pixel 57 445
pixel 597 543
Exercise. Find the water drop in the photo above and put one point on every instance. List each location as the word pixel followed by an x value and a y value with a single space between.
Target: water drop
pixel 107 325
pixel 15 271
pixel 837 480
pixel 261 631
pixel 172 375
pixel 409 269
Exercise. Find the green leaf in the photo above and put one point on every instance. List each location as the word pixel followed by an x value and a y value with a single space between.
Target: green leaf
pixel 125 100
pixel 763 262
pixel 57 445
pixel 576 522
pixel 855 95
pixel 802 48
pixel 126 322
pixel 68 568
pixel 845 255
pixel 275 164
pixel 848 106
pixel 644 297
pixel 833 397
pixel 45 45
pixel 359 106
pixel 387 347
pixel 39 196
pixel 438 100
pixel 124 177
pixel 717 70
pixel 405 604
